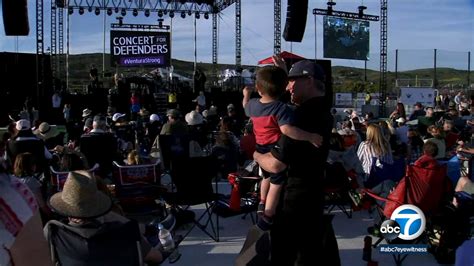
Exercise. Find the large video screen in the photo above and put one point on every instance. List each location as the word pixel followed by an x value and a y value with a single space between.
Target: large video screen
pixel 140 48
pixel 346 38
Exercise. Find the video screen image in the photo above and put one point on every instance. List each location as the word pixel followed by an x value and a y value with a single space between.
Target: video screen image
pixel 346 38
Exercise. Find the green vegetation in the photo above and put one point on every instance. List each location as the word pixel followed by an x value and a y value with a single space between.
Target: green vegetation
pixel 345 79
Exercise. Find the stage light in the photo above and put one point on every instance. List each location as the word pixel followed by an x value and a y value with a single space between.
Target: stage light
pixel 197 15
pixel 171 14
pixel 160 13
pixel 165 12
pixel 183 14
pixel 206 15
pixel 189 13
pixel 135 12
pixel 116 10
pixel 147 12
pixel 89 9
pixel 81 10
pixel 70 11
pixel 123 12
pixel 109 11
pixel 97 11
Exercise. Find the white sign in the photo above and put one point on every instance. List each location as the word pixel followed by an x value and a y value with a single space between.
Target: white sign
pixel 343 99
pixel 410 96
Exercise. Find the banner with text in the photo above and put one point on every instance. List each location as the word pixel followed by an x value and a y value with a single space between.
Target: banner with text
pixel 140 48
pixel 410 96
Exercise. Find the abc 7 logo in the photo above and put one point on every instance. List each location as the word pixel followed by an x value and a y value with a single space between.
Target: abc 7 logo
pixel 407 223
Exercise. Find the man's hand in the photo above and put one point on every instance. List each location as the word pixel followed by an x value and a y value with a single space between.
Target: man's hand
pixel 316 139
pixel 279 62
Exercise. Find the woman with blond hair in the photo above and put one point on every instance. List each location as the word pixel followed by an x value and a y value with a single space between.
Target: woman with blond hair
pixel 375 149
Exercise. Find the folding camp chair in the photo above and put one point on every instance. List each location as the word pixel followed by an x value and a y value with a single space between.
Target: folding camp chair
pixel 337 187
pixel 423 187
pixel 59 177
pixel 137 187
pixel 192 178
pixel 112 243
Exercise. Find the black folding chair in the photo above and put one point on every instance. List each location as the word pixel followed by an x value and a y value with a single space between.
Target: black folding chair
pixel 192 178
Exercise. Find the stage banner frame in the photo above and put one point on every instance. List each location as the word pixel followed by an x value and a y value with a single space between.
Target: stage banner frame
pixel 140 48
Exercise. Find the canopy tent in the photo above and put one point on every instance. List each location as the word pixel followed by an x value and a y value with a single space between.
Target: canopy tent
pixel 289 58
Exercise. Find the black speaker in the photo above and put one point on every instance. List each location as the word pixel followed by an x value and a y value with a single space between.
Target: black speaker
pixel 295 24
pixel 15 17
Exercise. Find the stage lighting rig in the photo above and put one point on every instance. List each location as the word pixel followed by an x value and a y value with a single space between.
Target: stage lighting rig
pixel 197 15
pixel 135 12
pixel 81 11
pixel 70 11
pixel 97 11
pixel 123 12
pixel 89 9
pixel 109 11
pixel 147 12
pixel 206 15
pixel 171 14
pixel 160 13
pixel 183 14
pixel 189 13
pixel 116 10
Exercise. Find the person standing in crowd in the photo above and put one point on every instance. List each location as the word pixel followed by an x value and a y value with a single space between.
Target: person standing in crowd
pixel 270 119
pixel 56 104
pixel 94 76
pixel 305 163
pixel 201 100
pixel 418 111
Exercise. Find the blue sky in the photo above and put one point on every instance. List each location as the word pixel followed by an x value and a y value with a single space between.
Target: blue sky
pixel 415 28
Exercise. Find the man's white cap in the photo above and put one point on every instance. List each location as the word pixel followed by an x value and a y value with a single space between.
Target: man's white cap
pixel 116 116
pixel 154 117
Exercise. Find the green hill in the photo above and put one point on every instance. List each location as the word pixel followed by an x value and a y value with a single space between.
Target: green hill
pixel 344 78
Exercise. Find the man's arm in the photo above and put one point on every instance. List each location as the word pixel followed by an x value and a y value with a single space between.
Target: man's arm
pixel 299 134
pixel 268 162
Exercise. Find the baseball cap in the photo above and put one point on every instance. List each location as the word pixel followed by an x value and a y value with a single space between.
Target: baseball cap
pixel 117 116
pixel 230 107
pixel 23 124
pixel 306 68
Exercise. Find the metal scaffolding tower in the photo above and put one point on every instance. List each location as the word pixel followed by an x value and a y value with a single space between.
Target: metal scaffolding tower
pixel 383 56
pixel 53 57
pixel 214 44
pixel 60 42
pixel 238 36
pixel 39 51
pixel 277 27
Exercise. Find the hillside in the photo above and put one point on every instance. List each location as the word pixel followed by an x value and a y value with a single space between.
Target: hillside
pixel 344 78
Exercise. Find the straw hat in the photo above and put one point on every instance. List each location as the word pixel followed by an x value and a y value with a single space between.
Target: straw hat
pixel 80 197
pixel 45 131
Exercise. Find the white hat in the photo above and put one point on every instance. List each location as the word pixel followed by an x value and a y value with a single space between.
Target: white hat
pixel 86 112
pixel 23 124
pixel 116 116
pixel 154 117
pixel 345 132
pixel 193 118
pixel 400 120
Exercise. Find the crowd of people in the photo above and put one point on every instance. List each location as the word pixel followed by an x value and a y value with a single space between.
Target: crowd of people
pixel 292 146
